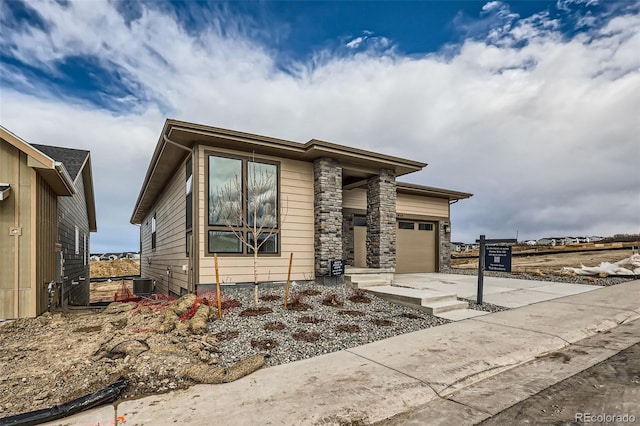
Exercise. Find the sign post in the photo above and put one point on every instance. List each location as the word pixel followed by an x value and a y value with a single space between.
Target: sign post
pixel 496 258
pixel 480 270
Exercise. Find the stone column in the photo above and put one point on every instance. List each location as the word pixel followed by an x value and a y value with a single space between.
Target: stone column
pixel 381 220
pixel 347 238
pixel 327 188
pixel 444 242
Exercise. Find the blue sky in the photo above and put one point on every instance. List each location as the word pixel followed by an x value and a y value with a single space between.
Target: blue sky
pixel 531 106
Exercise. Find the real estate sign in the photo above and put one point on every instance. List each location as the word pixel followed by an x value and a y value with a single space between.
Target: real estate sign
pixel 336 267
pixel 498 258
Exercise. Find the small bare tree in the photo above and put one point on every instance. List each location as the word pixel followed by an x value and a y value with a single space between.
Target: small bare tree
pixel 250 204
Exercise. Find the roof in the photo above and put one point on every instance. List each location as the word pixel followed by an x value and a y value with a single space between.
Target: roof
pixel 53 172
pixel 61 168
pixel 410 188
pixel 73 159
pixel 178 138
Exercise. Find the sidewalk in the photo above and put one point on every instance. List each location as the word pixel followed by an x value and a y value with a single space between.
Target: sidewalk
pixel 380 380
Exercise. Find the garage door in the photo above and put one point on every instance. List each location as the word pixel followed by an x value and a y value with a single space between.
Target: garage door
pixel 416 247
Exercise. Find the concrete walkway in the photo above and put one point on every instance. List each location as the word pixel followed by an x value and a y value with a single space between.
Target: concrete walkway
pixel 384 379
pixel 508 292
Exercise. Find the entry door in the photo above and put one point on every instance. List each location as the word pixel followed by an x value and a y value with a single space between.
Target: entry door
pixel 416 247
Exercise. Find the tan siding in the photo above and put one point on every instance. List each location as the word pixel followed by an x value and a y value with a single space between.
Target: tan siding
pixel 423 206
pixel 9 161
pixel 354 199
pixel 296 195
pixel 170 211
pixel 18 279
pixel 405 204
pixel 47 231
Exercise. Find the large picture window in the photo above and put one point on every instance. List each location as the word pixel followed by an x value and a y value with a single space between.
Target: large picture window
pixel 243 195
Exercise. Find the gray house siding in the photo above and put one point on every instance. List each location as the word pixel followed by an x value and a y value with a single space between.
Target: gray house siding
pixel 72 213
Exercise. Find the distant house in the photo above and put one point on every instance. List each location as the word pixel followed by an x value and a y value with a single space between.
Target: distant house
pixel 48 206
pixel 326 202
pixel 457 246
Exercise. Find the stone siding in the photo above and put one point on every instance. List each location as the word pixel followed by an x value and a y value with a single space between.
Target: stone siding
pixel 444 241
pixel 348 250
pixel 327 185
pixel 381 220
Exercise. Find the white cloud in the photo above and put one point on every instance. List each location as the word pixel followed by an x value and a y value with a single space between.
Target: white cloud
pixel 355 43
pixel 545 134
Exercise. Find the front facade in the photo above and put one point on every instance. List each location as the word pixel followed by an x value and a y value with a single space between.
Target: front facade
pixel 318 200
pixel 36 192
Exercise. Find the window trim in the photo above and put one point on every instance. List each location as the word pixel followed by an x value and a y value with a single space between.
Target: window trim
pixel 77 240
pixel 188 204
pixel 154 229
pixel 245 159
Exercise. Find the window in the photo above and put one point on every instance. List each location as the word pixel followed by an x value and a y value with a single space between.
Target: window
pixel 77 246
pixel 189 194
pixel 225 191
pixel 406 225
pixel 224 242
pixel 359 221
pixel 188 241
pixel 268 243
pixel 188 204
pixel 425 226
pixel 243 194
pixel 153 232
pixel 85 251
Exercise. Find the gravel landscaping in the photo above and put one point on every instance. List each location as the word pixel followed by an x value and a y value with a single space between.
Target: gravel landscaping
pixel 486 307
pixel 327 321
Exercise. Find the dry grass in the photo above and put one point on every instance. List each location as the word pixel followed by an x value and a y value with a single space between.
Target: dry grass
pixel 115 268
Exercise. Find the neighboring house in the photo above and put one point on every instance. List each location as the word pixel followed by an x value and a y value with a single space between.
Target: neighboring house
pixel 49 211
pixel 332 202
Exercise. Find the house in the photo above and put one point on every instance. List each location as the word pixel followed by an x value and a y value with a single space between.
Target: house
pixel 327 202
pixel 49 212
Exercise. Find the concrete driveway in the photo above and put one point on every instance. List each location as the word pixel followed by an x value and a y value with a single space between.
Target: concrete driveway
pixel 507 292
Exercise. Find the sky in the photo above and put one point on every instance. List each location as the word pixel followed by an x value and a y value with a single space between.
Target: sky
pixel 531 106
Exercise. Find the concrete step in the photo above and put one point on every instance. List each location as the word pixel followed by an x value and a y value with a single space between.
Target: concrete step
pixel 411 297
pixel 461 314
pixel 442 306
pixel 369 284
pixel 352 270
pixel 369 280
pixel 367 277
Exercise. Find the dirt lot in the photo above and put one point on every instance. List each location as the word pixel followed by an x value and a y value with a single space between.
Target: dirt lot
pixel 59 356
pixel 552 263
pixel 115 268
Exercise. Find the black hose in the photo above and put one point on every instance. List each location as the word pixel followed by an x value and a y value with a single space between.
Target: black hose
pixel 104 396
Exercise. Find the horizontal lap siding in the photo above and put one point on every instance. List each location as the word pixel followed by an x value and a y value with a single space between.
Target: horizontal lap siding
pixel 354 199
pixel 405 204
pixel 296 203
pixel 72 211
pixel 423 206
pixel 170 211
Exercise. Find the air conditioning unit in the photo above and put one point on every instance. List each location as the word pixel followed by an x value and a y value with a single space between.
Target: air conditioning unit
pixel 142 286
